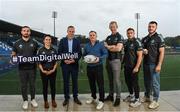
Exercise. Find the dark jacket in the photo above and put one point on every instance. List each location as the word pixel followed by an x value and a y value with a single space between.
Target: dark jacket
pixel 63 48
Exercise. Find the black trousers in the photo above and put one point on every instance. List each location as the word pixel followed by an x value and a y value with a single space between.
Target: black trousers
pixel 67 72
pixel 27 77
pixel 45 80
pixel 132 81
pixel 95 74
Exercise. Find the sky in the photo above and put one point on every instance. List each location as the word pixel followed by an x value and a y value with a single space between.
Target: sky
pixel 88 15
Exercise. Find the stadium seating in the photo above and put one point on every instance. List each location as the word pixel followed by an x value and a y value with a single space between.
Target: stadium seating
pixel 5 52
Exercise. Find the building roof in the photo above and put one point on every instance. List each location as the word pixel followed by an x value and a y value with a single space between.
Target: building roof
pixel 14 28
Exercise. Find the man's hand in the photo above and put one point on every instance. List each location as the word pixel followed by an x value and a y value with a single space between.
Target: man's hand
pixel 69 61
pixel 158 68
pixel 109 46
pixel 72 61
pixel 135 70
pixel 145 51
pixel 12 59
pixel 12 54
pixel 97 60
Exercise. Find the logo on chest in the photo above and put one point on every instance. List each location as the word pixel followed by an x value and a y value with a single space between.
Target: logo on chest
pixel 115 40
pixel 131 46
pixel 31 45
pixel 20 46
pixel 52 52
pixel 152 42
pixel 43 52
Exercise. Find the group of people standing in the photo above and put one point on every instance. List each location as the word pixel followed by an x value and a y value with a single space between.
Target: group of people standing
pixel 150 49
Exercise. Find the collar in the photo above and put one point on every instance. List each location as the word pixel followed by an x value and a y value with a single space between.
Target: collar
pixel 27 40
pixel 117 33
pixel 94 43
pixel 69 39
pixel 153 35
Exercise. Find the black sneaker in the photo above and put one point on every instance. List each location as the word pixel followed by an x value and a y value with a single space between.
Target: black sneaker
pixel 117 102
pixel 109 98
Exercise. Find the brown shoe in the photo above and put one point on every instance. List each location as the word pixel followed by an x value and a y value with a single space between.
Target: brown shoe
pixel 77 101
pixel 46 105
pixel 54 104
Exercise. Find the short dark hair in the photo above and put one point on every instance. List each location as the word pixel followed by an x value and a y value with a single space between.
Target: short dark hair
pixel 113 22
pixel 70 27
pixel 130 29
pixel 93 32
pixel 25 27
pixel 47 35
pixel 153 22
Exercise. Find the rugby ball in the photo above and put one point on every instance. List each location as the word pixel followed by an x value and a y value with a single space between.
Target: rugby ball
pixel 89 58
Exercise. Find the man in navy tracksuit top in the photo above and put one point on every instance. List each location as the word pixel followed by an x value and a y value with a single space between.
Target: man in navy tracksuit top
pixel 132 62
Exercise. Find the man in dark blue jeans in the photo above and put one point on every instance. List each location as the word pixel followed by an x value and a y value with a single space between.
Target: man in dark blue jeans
pixel 153 47
pixel 70 67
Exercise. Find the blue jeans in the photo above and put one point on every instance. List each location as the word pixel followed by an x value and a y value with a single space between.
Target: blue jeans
pixel 151 81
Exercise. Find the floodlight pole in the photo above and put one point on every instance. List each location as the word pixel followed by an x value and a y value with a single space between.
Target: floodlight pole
pixel 54 16
pixel 137 17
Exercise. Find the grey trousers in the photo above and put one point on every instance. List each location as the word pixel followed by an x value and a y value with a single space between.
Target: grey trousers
pixel 114 69
pixel 27 77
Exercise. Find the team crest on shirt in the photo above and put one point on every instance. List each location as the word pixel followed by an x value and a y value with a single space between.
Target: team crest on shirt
pixel 131 46
pixel 152 41
pixel 52 52
pixel 43 52
pixel 116 39
pixel 20 46
pixel 31 45
pixel 145 40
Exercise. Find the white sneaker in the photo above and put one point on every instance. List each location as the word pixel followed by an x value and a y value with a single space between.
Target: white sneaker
pixel 25 105
pixel 100 105
pixel 154 105
pixel 91 100
pixel 136 103
pixel 145 99
pixel 34 103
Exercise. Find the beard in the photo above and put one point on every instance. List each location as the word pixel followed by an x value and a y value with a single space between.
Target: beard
pixel 26 36
pixel 152 32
